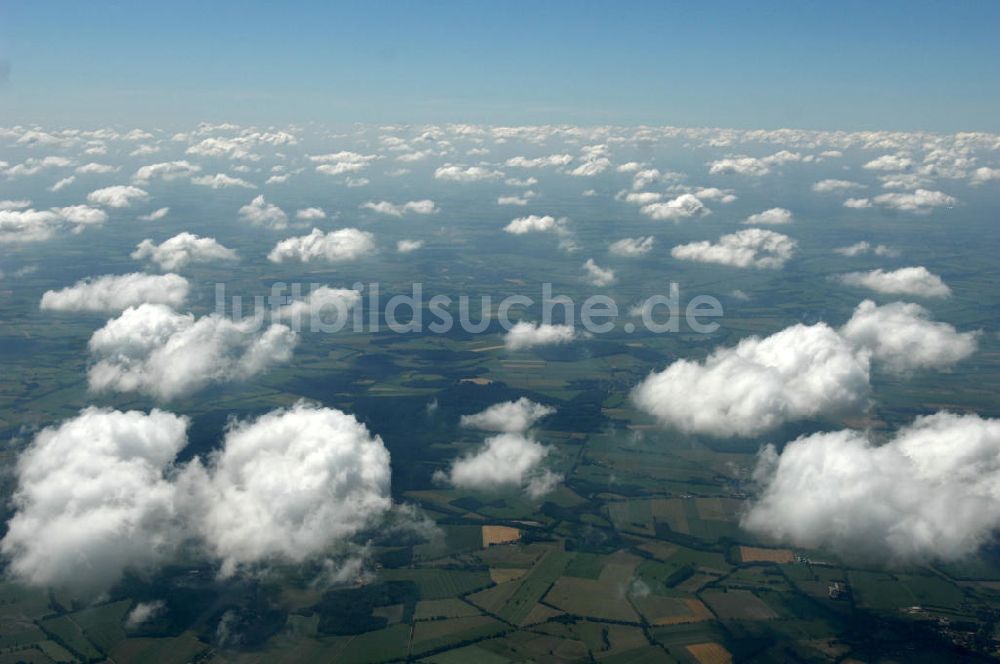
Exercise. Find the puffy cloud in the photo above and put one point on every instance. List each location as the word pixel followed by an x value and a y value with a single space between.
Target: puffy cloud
pixel 784 157
pixel 394 210
pixel 773 217
pixel 182 250
pixel 528 335
pixel 928 493
pixel 336 246
pixel 739 166
pixel 520 200
pixel 261 213
pixel 534 224
pixel 984 174
pixel 14 204
pixel 95 168
pixel 29 225
pixel 903 338
pixel 908 181
pixel 752 166
pixel 904 281
pixel 310 214
pixel 222 181
pixel 715 194
pixel 33 165
pixel 642 197
pixel 890 162
pixel 319 301
pixel 97 496
pixel 142 612
pixel 289 486
pixel 645 177
pixel 920 201
pixel 504 461
pixel 632 246
pixel 153 350
pixel 864 247
pixel 858 203
pixel 240 146
pixel 824 186
pixel 684 206
pixel 19 226
pixel 82 215
pixel 508 416
pixel 117 196
pixel 144 150
pixel 93 501
pixel 521 182
pixel 550 161
pixel 456 173
pixel 114 293
pixel 166 170
pixel 155 215
pixel 597 275
pixel 406 246
pixel 339 163
pixel 591 166
pixel 760 384
pixel 753 247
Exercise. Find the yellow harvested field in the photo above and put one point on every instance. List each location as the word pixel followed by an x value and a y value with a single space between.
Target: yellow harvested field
pixel 753 554
pixel 499 535
pixel 710 653
pixel 477 381
pixel 696 612
pixel 505 574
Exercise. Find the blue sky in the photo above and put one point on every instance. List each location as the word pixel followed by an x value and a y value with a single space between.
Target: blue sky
pixel 853 65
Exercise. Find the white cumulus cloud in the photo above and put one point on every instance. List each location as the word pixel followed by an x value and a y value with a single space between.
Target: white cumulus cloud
pixel 93 500
pixel 684 206
pixel 508 416
pixel 773 217
pixel 261 213
pixel 631 247
pixel 597 275
pixel 916 280
pixel 151 349
pixel 753 247
pixel 504 461
pixel 396 210
pixel 903 338
pixel 528 335
pixel 456 173
pixel 930 492
pixel 289 486
pixel 760 384
pixel 336 246
pixel 114 293
pixel 181 250
pixel 117 196
pixel 222 181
